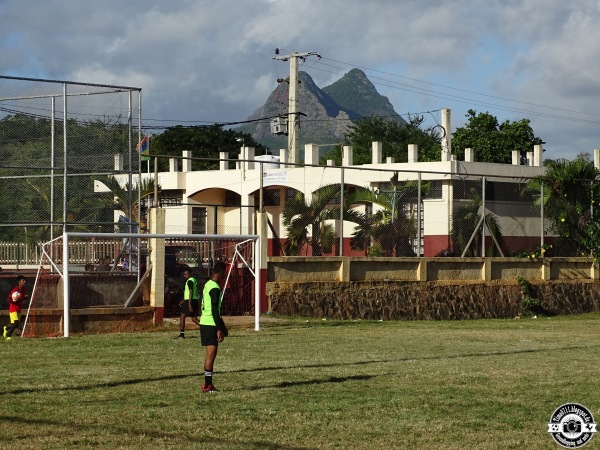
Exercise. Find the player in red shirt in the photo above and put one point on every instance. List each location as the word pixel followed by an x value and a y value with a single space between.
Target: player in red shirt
pixel 15 302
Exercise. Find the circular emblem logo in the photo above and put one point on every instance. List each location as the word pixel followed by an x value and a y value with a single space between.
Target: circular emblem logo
pixel 572 425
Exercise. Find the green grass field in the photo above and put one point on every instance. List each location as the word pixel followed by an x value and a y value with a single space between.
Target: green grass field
pixel 300 384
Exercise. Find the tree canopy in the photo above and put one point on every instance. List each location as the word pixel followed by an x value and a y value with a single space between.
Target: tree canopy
pixel 492 141
pixel 203 142
pixel 393 225
pixel 25 182
pixel 301 215
pixel 394 137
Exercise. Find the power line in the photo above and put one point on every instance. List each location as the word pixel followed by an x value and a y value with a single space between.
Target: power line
pixel 155 124
pixel 459 89
pixel 459 99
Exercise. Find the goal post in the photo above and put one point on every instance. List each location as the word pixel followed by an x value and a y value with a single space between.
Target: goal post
pixel 117 259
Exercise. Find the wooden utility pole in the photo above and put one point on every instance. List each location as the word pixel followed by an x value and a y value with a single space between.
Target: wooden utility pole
pixel 293 100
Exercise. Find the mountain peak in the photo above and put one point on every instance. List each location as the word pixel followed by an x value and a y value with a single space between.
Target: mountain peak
pixel 355 92
pixel 351 97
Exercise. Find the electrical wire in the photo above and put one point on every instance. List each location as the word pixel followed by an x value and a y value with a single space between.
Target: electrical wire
pixel 445 96
pixel 334 66
pixel 467 91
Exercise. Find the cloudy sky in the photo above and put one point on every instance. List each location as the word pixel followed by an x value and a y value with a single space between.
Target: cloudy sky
pixel 202 61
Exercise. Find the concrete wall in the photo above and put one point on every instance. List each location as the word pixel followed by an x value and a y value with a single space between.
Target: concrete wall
pixel 335 268
pixel 97 305
pixel 48 322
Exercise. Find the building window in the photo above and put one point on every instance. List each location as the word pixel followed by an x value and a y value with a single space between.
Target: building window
pixel 171 197
pixel 504 191
pixel 198 220
pixel 435 189
pixel 466 189
pixel 498 191
pixel 271 197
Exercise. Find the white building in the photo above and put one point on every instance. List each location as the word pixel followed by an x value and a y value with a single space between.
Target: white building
pixel 224 201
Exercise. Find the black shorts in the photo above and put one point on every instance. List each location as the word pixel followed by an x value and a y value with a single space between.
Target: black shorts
pixel 208 335
pixel 186 310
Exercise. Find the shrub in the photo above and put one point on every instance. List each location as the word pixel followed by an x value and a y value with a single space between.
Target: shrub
pixel 375 250
pixel 528 298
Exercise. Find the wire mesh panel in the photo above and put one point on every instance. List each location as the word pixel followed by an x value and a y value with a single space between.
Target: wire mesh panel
pixel 305 212
pixel 395 213
pixel 58 140
pixel 494 216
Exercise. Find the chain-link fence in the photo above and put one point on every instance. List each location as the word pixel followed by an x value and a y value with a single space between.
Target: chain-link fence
pixel 384 212
pixel 403 214
pixel 58 141
pixel 69 162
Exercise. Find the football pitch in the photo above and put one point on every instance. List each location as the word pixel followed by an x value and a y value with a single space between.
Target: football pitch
pixel 304 384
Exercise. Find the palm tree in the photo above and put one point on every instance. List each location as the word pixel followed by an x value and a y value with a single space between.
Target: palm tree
pixel 391 226
pixel 570 191
pixel 82 211
pixel 299 217
pixel 126 198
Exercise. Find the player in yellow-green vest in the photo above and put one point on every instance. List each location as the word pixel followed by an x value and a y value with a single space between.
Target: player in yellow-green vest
pixel 189 304
pixel 212 327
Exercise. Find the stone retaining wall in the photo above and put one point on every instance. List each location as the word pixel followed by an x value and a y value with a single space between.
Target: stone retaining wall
pixel 427 300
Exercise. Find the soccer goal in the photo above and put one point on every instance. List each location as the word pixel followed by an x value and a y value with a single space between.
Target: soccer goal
pixel 89 274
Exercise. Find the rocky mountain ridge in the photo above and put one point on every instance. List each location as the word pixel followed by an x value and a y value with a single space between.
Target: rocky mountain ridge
pixel 326 114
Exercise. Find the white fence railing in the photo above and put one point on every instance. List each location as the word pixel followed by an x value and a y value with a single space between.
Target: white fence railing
pixel 19 253
pixel 92 250
pixel 81 252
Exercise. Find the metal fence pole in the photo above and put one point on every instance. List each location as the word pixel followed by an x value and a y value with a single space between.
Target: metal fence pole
pixel 64 158
pixel 483 217
pixel 342 213
pixel 542 216
pixel 65 268
pixel 129 176
pixel 419 215
pixel 52 167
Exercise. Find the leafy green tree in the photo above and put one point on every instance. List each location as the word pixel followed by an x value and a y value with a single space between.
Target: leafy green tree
pixel 203 141
pixel 571 193
pixel 394 137
pixel 301 216
pixel 493 141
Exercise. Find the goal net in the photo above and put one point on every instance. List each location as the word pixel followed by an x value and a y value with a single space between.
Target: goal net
pixel 109 282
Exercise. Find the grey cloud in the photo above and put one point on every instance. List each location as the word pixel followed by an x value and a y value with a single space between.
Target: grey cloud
pixel 211 60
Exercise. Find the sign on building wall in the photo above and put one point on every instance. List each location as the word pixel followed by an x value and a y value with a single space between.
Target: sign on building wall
pixel 275 177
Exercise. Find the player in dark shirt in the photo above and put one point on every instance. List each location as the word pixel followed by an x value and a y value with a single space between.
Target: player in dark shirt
pixel 189 305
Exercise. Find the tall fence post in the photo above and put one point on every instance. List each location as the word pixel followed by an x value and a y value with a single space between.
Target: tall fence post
pixel 542 216
pixel 65 268
pixel 52 172
pixel 483 217
pixel 342 213
pixel 419 215
pixel 65 159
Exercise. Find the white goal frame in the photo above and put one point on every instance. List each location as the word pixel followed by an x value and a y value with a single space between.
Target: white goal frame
pixel 241 237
